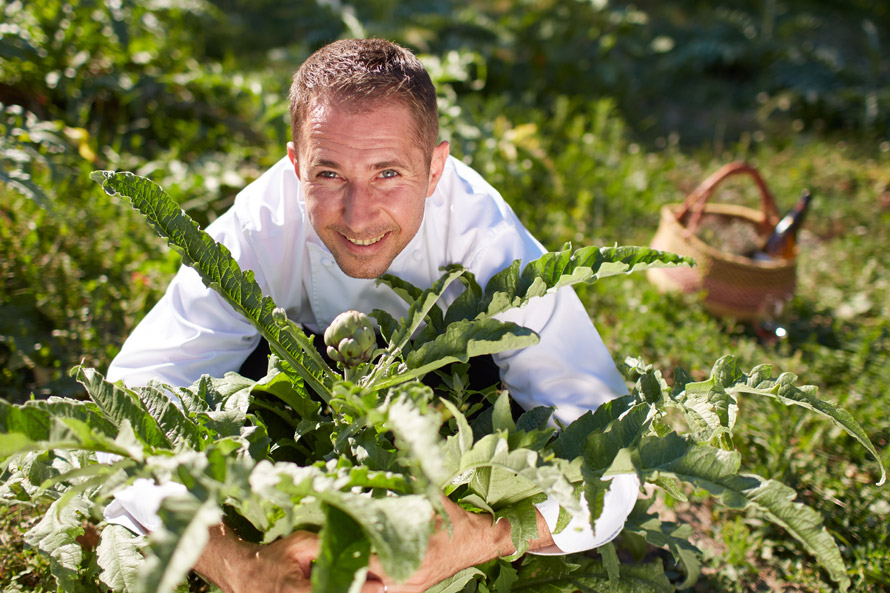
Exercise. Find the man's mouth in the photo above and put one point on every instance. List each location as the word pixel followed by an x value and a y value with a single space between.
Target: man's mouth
pixel 365 242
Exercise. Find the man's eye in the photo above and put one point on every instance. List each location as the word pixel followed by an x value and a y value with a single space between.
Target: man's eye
pixel 388 174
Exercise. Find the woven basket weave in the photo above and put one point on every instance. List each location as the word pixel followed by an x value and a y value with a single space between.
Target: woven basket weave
pixel 733 285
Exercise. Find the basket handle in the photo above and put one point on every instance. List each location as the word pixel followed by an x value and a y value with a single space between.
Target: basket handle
pixel 703 192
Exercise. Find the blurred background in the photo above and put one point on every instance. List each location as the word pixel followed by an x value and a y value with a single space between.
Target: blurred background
pixel 587 115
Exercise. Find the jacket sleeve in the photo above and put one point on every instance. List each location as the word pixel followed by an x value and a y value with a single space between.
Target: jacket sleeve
pixel 191 330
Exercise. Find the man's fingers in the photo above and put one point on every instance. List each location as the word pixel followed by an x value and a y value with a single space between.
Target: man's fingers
pixel 373 586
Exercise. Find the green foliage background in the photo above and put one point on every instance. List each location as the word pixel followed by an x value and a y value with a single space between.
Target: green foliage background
pixel 587 115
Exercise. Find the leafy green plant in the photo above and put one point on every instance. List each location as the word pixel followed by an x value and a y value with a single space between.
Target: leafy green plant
pixel 370 453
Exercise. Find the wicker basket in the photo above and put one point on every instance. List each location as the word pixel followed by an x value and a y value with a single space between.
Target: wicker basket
pixel 733 285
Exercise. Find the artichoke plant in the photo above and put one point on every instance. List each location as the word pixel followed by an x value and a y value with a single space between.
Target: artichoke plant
pixel 350 339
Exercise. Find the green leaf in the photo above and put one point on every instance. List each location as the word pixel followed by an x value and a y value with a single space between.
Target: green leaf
pixel 709 407
pixel 421 307
pixel 456 582
pixel 36 427
pixel 180 430
pixel 219 271
pixel 554 270
pixel 466 305
pixel 174 549
pixel 523 519
pixel 602 447
pixel 398 527
pixel 465 339
pixel 343 554
pixel 715 470
pixel 611 562
pixel 56 535
pixel 502 415
pixel 417 434
pixel 227 402
pixel 501 477
pixel 119 403
pixel 571 441
pixel 284 387
pixel 570 574
pixel 672 537
pixel 783 390
pixel 119 557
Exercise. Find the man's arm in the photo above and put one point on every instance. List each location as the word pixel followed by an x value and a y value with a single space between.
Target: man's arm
pixel 284 566
pixel 474 539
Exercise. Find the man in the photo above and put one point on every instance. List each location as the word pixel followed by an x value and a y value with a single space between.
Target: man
pixel 366 189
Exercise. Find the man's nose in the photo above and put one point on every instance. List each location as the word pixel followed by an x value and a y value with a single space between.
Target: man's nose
pixel 359 207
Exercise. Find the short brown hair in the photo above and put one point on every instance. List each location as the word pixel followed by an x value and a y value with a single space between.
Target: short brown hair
pixel 358 73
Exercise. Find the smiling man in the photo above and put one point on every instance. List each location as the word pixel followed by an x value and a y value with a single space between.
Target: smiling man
pixel 365 178
pixel 367 189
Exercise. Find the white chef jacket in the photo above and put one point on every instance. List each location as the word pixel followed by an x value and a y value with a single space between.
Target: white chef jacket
pixel 193 331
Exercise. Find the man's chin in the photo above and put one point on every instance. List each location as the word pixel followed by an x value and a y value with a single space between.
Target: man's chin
pixel 364 269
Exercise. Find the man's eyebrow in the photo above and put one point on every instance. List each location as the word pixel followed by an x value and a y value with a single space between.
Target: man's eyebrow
pixel 372 167
pixel 386 165
pixel 324 163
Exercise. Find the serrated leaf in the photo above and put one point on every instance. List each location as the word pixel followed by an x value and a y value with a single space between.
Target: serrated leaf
pixel 417 434
pixel 554 270
pixel 715 470
pixel 56 423
pixel 398 527
pixel 502 477
pixel 119 403
pixel 523 519
pixel 602 447
pixel 219 271
pixel 558 574
pixel 343 555
pixel 784 390
pixel 421 307
pixel 571 441
pixel 180 430
pixel 174 549
pixel 456 582
pixel 118 555
pixel 463 340
pixel 672 537
pixel 56 535
pixel 709 406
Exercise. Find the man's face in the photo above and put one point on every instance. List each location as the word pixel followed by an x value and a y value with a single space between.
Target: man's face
pixel 365 180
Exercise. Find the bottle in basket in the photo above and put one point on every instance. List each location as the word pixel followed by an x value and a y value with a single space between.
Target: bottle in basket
pixel 783 240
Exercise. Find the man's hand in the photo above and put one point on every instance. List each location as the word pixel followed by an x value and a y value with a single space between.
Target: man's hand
pixel 474 539
pixel 283 566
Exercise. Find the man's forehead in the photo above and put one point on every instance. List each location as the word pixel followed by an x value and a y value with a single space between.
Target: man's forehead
pixel 324 112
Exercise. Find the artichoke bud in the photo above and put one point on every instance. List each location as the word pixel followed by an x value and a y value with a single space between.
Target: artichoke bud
pixel 350 338
pixel 279 316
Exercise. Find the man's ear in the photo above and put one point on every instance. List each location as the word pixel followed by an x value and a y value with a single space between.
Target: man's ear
pixel 437 166
pixel 292 156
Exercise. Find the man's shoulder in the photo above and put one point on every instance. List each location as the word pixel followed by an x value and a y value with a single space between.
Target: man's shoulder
pixel 274 198
pixel 275 183
pixel 463 180
pixel 467 194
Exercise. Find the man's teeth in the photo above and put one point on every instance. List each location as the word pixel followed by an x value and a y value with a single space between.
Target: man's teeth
pixel 364 241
